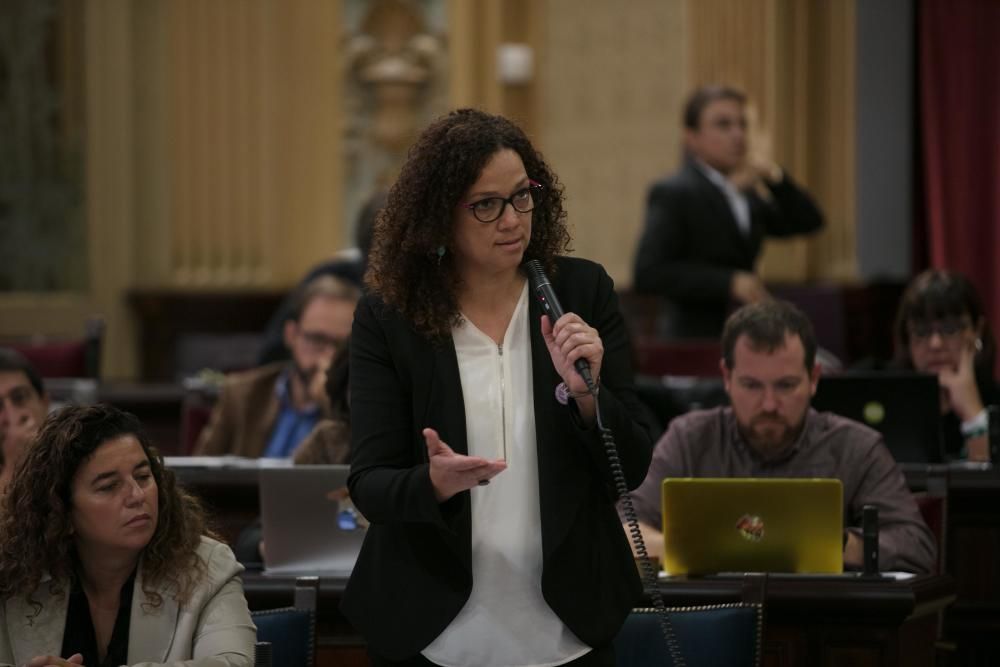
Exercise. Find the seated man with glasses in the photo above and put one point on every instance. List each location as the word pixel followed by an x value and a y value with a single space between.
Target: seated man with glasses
pixel 268 411
pixel 941 328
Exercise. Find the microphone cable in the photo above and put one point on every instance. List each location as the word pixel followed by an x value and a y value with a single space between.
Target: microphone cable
pixel 550 304
pixel 647 573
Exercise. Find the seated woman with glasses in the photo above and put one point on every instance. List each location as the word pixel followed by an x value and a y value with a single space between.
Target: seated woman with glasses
pixel 104 561
pixel 941 329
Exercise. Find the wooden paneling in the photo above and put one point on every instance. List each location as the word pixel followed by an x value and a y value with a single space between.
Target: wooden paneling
pixel 109 175
pixel 254 119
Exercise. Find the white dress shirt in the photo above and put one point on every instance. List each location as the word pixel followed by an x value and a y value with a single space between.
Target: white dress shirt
pixel 506 621
pixel 738 202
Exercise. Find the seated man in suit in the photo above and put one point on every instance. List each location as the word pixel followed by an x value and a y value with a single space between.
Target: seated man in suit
pixel 23 407
pixel 770 373
pixel 269 410
pixel 706 223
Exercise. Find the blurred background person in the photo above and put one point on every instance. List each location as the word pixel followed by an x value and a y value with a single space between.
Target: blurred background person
pixel 268 411
pixel 104 561
pixel 941 329
pixel 23 406
pixel 329 442
pixel 705 224
pixel 474 452
pixel 348 265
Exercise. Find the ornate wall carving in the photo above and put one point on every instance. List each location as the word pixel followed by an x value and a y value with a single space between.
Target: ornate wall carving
pixel 395 71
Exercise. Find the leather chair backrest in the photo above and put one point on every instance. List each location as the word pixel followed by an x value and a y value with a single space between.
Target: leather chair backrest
pixel 725 635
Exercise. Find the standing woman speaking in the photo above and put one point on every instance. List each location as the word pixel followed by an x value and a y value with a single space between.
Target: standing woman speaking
pixel 494 539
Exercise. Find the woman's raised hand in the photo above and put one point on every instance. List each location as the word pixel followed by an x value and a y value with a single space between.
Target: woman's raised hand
pixel 453 473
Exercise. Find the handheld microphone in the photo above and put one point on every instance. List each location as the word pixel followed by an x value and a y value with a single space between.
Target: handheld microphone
pixel 550 304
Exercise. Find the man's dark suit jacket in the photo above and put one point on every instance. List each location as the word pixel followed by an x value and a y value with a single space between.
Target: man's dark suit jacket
pixel 414 573
pixel 691 244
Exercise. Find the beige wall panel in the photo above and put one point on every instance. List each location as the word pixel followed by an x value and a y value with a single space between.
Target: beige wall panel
pixel 110 169
pixel 731 42
pixel 151 143
pixel 610 85
pixel 308 118
pixel 475 30
pixel 834 252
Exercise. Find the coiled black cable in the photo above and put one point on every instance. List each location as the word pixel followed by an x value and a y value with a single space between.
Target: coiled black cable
pixel 647 573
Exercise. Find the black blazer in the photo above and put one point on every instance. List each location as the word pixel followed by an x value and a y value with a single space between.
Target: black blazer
pixel 414 572
pixel 691 244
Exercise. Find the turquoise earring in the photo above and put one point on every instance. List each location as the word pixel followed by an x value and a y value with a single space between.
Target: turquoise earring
pixel 440 253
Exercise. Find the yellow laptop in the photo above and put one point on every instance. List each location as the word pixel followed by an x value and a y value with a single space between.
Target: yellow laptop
pixel 752 525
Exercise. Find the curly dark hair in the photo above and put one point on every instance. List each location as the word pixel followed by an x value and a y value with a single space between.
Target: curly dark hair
pixel 936 295
pixel 36 535
pixel 447 158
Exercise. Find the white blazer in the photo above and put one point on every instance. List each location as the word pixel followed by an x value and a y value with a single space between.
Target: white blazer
pixel 213 629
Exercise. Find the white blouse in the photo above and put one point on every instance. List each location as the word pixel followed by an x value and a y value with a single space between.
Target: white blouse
pixel 506 621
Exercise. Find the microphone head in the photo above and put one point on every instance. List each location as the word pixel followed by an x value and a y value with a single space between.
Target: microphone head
pixel 536 274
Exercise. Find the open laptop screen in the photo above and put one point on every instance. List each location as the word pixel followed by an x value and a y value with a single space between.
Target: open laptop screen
pixel 713 525
pixel 309 524
pixel 904 407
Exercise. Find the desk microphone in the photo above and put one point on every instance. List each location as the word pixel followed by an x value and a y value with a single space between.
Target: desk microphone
pixel 550 304
pixel 869 531
pixel 993 433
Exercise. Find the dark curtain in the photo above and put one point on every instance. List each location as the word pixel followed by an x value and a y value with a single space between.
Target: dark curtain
pixel 959 82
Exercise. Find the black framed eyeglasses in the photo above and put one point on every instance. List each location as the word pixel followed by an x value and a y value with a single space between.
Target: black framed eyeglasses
pixel 320 341
pixel 490 209
pixel 948 328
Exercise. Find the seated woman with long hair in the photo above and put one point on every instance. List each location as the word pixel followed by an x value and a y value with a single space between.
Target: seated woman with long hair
pixel 104 561
pixel 941 328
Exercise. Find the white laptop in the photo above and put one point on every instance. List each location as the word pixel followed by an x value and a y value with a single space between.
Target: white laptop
pixel 309 524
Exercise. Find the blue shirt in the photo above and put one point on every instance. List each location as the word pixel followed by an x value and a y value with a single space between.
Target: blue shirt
pixel 292 426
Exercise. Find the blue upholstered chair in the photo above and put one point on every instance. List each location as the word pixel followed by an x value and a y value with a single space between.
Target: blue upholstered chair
pixel 724 635
pixel 290 631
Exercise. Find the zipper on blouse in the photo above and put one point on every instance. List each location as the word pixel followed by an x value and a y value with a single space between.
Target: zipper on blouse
pixel 503 405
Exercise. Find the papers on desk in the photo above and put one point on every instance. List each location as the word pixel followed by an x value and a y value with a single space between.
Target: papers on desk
pixel 895 576
pixel 229 461
pixel 970 465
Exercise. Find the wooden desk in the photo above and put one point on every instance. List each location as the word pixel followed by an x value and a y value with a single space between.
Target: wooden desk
pixel 972 554
pixel 831 622
pixel 827 621
pixel 973 545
